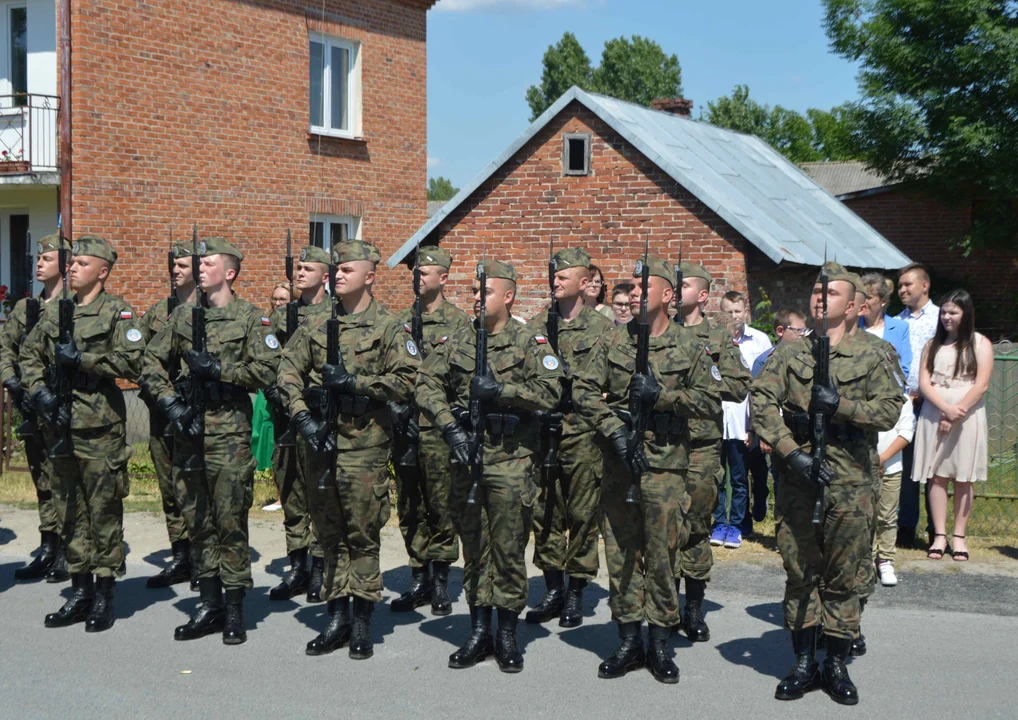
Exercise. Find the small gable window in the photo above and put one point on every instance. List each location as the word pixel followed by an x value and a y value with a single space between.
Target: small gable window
pixel 576 154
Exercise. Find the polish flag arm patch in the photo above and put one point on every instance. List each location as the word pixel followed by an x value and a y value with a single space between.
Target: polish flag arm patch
pixel 126 315
pixel 541 339
pixel 265 321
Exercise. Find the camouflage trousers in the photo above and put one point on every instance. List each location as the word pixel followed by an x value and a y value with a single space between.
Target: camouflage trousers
pixel 215 503
pixel 867 578
pixel 159 448
pixel 495 532
pixel 288 474
pixel 39 467
pixel 641 541
pixel 89 488
pixel 695 558
pixel 822 581
pixel 567 513
pixel 348 517
pixel 424 503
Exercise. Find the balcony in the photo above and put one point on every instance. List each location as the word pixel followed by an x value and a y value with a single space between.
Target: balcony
pixel 28 139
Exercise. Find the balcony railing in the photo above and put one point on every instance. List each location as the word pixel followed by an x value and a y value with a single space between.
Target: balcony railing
pixel 28 133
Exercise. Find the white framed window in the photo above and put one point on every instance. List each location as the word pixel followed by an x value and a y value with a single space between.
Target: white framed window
pixel 324 231
pixel 335 79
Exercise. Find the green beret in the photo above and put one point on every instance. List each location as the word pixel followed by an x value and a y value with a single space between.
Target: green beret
pixel 434 255
pixel 692 270
pixel 351 250
pixel 659 267
pixel 53 242
pixel 313 253
pixel 95 246
pixel 180 250
pixel 496 269
pixel 570 258
pixel 219 246
pixel 836 271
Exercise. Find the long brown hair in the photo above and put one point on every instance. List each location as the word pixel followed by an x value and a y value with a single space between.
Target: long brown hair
pixel 965 354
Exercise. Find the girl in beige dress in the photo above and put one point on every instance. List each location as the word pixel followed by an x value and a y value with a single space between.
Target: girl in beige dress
pixel 951 436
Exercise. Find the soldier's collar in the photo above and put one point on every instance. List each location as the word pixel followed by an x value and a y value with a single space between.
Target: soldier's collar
pixel 365 317
pixel 94 307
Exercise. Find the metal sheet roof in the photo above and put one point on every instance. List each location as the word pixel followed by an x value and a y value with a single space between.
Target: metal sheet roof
pixel 765 197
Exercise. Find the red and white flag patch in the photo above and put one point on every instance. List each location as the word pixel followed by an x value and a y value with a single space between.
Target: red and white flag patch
pixel 265 321
pixel 541 339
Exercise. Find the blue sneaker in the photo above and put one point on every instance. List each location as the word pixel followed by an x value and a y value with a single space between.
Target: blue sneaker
pixel 734 538
pixel 717 538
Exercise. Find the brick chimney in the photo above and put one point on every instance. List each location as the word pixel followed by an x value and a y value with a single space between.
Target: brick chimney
pixel 675 106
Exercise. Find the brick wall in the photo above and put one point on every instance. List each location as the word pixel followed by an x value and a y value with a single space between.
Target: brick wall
pixel 198 112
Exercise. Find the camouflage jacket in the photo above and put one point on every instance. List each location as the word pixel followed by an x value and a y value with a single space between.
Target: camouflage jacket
pixel 238 336
pixel 690 389
pixel 13 335
pixel 375 347
pixel 871 400
pixel 277 320
pixel 111 346
pixel 525 363
pixel 576 342
pixel 714 341
pixel 439 326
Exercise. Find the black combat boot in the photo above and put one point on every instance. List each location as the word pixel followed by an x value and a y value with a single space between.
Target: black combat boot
pixel 659 655
pixel 337 634
pixel 209 617
pixel 509 658
pixel 834 677
pixel 693 623
pixel 859 644
pixel 100 617
pixel 629 655
pixel 419 592
pixel 76 609
pixel 441 604
pixel 234 632
pixel 572 610
pixel 178 571
pixel 316 580
pixel 805 674
pixel 49 543
pixel 296 580
pixel 553 601
pixel 58 570
pixel 479 645
pixel 361 645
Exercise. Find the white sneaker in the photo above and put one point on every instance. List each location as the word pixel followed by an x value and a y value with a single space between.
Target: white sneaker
pixel 272 507
pixel 887 576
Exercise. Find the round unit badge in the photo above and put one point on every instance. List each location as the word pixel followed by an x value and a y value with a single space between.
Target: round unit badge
pixel 411 348
pixel 550 362
pixel 134 335
pixel 271 341
pixel 715 373
pixel 639 268
pixel 76 248
pixel 303 254
pixel 745 364
pixel 201 248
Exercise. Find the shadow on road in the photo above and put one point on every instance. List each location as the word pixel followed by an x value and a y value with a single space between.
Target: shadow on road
pixel 7 575
pixel 397 580
pixel 7 535
pixel 131 596
pixel 769 654
pixel 772 613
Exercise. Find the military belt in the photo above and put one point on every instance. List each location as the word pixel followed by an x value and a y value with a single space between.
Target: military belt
pixel 216 393
pixel 317 399
pixel 802 429
pixel 663 425
pixel 86 382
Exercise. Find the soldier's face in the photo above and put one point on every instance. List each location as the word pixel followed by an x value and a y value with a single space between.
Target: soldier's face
pixel 433 279
pixel 86 271
pixel 311 276
pixel 353 277
pixel 659 296
pixel 213 272
pixel 499 297
pixel 571 282
pixel 47 267
pixel 694 292
pixel 182 272
pixel 840 300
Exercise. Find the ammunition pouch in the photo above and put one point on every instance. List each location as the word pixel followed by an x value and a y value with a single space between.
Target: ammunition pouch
pixel 665 426
pixel 802 429
pixel 317 399
pixel 550 423
pixel 502 425
pixel 216 393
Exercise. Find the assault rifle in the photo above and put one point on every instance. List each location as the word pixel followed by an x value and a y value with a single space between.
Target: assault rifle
pixel 637 412
pixel 407 443
pixel 173 370
pixel 679 277
pixel 64 376
pixel 332 357
pixel 477 418
pixel 27 426
pixel 289 437
pixel 551 432
pixel 197 399
pixel 818 421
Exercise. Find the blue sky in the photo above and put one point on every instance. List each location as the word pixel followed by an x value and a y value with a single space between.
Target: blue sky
pixel 483 54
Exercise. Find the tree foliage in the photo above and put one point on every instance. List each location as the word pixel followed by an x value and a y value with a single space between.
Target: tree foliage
pixel 637 70
pixel 441 188
pixel 939 100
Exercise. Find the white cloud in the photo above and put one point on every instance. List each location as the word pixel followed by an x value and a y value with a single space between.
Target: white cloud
pixel 467 5
pixel 433 162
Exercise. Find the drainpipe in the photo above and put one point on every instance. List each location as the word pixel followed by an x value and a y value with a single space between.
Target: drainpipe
pixel 65 117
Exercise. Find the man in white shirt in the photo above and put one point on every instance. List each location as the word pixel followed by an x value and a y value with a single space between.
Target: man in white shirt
pixel 737 453
pixel 922 317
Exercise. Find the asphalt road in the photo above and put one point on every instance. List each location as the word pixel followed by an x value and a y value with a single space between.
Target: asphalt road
pixel 942 645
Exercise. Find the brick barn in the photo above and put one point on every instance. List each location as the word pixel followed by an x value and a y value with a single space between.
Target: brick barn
pixel 601 173
pixel 247 117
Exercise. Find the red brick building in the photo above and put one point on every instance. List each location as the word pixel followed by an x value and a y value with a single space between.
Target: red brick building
pixel 603 174
pixel 247 117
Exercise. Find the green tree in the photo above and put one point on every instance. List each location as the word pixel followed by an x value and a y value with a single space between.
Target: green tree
pixel 939 106
pixel 636 70
pixel 441 188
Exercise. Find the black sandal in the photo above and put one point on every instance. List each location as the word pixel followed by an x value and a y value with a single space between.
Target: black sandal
pixel 960 555
pixel 936 553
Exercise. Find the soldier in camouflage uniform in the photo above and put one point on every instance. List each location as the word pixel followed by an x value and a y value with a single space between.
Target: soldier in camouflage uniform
pixel 695 558
pixel 213 470
pixel 160 434
pixel 90 479
pixel 524 376
pixel 51 558
pixel 822 562
pixel 347 464
pixel 288 460
pixel 566 516
pixel 642 538
pixel 423 504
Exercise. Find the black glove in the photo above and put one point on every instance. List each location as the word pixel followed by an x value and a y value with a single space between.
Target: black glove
pixel 45 402
pixel 314 432
pixel 203 365
pixel 801 463
pixel 620 442
pixel 485 387
pixel 646 388
pixel 824 399
pixel 68 355
pixel 13 385
pixel 274 397
pixel 335 377
pixel 630 452
pixel 177 413
pixel 458 443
